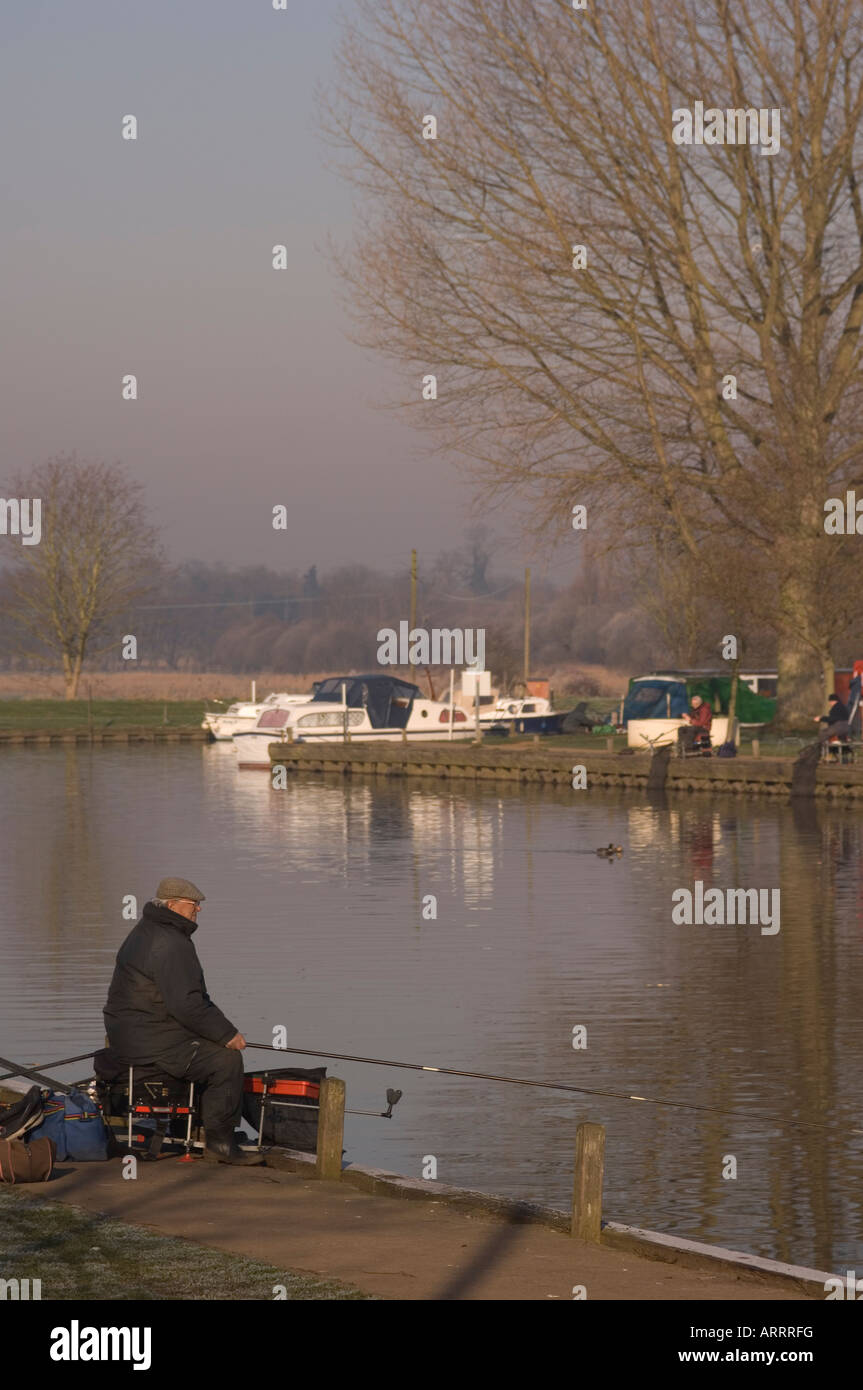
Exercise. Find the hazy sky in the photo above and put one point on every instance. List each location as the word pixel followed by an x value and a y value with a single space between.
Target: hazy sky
pixel 154 257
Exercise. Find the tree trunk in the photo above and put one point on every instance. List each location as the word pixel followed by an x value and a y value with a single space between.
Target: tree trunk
pixel 72 676
pixel 732 699
pixel 801 691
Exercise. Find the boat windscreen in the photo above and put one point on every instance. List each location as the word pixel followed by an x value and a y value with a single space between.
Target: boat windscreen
pixel 272 718
pixel 330 690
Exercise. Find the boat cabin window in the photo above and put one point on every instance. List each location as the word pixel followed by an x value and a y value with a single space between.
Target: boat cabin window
pixel 272 718
pixel 330 718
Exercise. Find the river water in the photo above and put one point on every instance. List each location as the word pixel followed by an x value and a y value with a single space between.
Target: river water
pixel 314 920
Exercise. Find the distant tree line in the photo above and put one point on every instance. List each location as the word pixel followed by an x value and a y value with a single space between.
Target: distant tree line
pixel 99 577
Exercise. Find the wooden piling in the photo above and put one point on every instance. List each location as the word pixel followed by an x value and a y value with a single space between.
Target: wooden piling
pixel 658 771
pixel 587 1188
pixel 756 748
pixel 331 1129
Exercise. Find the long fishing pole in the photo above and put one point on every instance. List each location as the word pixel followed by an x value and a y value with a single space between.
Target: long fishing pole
pixel 544 1085
pixel 40 1066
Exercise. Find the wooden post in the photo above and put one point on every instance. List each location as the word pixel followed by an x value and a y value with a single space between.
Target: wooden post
pixel 609 743
pixel 526 628
pixel 587 1188
pixel 164 714
pixel 331 1129
pixel 413 592
pixel 90 711
pixel 658 769
pixel 451 701
pixel 756 748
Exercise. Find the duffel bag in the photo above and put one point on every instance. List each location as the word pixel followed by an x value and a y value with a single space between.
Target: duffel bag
pixel 21 1162
pixel 75 1125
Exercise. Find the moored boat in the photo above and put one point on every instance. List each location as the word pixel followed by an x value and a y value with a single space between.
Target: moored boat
pixel 244 714
pixel 368 708
pixel 531 715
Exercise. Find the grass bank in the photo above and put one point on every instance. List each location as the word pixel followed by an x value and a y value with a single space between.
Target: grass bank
pixel 68 715
pixel 79 1254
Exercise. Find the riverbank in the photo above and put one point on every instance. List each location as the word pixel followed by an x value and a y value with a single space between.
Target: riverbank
pixel 26 721
pixel 390 1249
pixel 555 765
pixel 77 1254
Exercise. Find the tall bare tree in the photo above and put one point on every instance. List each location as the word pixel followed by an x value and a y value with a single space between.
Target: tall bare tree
pixel 602 375
pixel 91 563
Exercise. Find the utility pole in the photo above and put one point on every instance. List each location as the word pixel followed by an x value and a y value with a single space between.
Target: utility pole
pixel 413 591
pixel 526 627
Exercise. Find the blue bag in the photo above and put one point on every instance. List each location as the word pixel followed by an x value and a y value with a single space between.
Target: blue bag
pixel 76 1126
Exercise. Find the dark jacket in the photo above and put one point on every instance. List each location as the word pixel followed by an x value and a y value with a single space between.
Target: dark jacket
pixel 838 713
pixel 158 997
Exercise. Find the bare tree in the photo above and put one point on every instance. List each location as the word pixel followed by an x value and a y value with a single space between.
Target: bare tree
pixel 605 373
pixel 64 593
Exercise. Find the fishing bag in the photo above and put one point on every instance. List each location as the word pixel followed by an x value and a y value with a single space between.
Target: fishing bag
pixel 75 1125
pixel 32 1162
pixel 24 1114
pixel 291 1107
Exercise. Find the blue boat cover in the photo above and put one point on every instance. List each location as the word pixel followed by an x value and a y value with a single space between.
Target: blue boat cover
pixel 655 697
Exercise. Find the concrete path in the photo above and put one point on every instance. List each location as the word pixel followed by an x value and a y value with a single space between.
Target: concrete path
pixel 391 1247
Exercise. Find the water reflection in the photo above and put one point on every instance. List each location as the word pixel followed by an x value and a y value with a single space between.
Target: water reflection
pixel 314 919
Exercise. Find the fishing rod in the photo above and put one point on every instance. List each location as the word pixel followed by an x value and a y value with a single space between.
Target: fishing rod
pixel 32 1074
pixel 40 1066
pixel 544 1085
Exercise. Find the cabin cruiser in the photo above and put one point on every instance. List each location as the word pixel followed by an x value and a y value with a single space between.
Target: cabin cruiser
pixel 371 709
pixel 531 715
pixel 656 707
pixel 244 714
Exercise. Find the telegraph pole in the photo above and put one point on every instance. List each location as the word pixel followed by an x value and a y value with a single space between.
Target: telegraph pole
pixel 526 627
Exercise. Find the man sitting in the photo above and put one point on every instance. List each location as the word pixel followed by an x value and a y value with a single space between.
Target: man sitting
pixel 697 737
pixel 835 723
pixel 158 1011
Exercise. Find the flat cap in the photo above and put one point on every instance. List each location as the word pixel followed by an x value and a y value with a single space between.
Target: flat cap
pixel 178 888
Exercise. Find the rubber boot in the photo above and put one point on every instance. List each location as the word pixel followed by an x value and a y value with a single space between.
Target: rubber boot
pixel 221 1147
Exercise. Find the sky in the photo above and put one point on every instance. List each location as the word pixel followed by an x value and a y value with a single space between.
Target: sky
pixel 154 257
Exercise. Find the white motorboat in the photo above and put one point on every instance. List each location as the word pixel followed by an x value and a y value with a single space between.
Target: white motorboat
pixel 656 733
pixel 533 714
pixel 244 714
pixel 371 709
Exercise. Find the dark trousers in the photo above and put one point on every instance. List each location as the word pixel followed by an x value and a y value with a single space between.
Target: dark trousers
pixel 841 729
pixel 218 1069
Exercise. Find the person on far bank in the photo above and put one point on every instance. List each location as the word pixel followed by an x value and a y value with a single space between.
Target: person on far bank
pixel 159 1011
pixel 834 724
pixel 700 718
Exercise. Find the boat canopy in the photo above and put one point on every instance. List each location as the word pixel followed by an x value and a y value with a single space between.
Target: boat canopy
pixel 667 696
pixel 387 699
pixel 655 697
